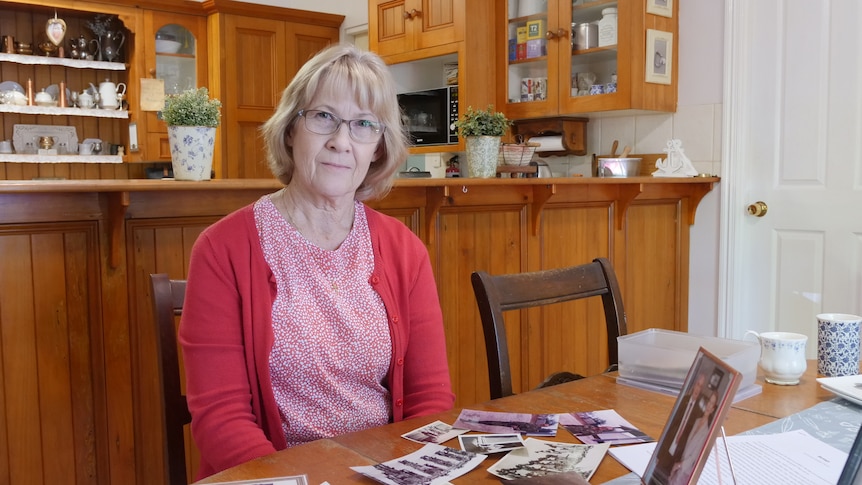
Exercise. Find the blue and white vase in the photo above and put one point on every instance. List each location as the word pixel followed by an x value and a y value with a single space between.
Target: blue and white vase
pixel 192 151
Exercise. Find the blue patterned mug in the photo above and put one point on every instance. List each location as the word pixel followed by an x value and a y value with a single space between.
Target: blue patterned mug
pixel 838 344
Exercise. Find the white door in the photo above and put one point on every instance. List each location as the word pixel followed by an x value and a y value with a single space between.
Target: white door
pixel 793 125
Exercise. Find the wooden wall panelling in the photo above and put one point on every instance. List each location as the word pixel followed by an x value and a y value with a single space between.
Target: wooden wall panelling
pixel 53 382
pixel 156 246
pixel 572 335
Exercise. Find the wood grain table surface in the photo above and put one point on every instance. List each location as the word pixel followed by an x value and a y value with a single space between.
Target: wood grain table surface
pixel 330 459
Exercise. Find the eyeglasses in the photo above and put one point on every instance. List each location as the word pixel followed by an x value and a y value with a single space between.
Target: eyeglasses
pixel 326 123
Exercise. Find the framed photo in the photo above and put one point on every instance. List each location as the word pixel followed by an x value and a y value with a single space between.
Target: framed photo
pixel 694 422
pixel 659 57
pixel 660 7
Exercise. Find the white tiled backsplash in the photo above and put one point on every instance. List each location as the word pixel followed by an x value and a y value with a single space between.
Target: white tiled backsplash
pixel 698 127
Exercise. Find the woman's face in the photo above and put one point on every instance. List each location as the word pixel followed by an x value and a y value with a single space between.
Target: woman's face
pixel 332 166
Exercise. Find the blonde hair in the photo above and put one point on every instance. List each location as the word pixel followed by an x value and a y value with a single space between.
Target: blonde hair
pixel 338 69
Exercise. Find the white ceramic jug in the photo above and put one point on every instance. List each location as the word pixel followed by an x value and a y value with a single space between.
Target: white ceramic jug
pixel 108 92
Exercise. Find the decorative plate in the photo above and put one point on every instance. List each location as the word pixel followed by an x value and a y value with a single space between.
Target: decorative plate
pixel 11 86
pixel 26 137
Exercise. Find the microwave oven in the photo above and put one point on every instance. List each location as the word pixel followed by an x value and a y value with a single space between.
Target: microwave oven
pixel 428 116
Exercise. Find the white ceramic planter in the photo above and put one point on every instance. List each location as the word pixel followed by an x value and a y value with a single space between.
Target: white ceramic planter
pixel 192 151
pixel 482 155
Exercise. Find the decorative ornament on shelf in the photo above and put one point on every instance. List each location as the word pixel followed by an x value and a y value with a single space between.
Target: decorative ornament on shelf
pixel 192 117
pixel 676 164
pixel 55 29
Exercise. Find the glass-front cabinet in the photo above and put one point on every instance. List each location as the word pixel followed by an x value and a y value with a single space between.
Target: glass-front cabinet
pixel 176 54
pixel 564 57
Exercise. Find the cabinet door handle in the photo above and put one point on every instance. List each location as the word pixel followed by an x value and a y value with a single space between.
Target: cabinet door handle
pixel 559 33
pixel 413 13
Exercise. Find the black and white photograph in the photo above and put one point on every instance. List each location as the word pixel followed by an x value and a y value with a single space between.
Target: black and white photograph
pixel 436 432
pixel 603 426
pixel 497 422
pixel 540 458
pixel 432 464
pixel 488 444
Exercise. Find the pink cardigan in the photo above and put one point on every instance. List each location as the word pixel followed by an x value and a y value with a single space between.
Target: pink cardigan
pixel 226 336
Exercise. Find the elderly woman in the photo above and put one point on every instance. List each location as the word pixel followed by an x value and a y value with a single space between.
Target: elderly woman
pixel 308 314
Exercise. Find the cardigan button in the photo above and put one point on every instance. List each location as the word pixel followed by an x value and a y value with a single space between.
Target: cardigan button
pixel 400 361
pixel 395 319
pixel 399 402
pixel 375 280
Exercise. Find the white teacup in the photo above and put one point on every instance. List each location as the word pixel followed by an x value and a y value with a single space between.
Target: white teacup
pixel 85 148
pixel 6 146
pixel 782 356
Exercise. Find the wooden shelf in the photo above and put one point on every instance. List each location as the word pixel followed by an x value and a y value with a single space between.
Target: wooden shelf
pixel 61 61
pixel 33 158
pixel 57 111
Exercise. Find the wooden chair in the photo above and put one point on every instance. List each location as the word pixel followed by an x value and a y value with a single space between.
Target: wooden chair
pixel 168 298
pixel 497 294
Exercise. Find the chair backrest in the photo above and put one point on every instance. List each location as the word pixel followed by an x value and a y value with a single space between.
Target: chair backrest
pixel 500 293
pixel 168 296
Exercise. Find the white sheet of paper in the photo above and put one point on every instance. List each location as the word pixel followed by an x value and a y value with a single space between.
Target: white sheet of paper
pixel 792 457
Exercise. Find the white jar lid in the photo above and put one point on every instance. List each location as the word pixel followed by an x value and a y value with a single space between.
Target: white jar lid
pixel 609 11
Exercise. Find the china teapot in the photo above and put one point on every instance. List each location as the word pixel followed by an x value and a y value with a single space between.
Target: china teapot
pixel 109 94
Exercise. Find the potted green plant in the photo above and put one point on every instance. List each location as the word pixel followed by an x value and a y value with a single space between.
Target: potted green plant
pixel 482 130
pixel 192 117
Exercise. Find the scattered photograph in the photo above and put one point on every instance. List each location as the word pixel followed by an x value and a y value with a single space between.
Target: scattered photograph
pixel 487 444
pixel 436 432
pixel 604 426
pixel 539 458
pixel 291 480
pixel 497 422
pixel 432 464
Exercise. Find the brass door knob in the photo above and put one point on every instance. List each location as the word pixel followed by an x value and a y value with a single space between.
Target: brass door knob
pixel 413 13
pixel 758 209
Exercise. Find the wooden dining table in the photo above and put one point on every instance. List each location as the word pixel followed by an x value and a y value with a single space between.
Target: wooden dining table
pixel 330 459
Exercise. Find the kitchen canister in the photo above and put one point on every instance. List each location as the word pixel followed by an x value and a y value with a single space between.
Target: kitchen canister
pixel 585 35
pixel 608 27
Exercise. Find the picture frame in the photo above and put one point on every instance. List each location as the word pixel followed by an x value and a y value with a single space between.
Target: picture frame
pixel 695 421
pixel 663 8
pixel 659 57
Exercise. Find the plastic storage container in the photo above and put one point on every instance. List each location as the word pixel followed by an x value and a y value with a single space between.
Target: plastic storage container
pixel 663 357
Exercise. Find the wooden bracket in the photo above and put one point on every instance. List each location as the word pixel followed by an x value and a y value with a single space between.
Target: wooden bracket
pixel 541 195
pixel 118 203
pixel 436 197
pixel 699 191
pixel 627 193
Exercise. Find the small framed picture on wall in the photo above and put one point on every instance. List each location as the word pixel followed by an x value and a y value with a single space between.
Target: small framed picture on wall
pixel 660 7
pixel 659 56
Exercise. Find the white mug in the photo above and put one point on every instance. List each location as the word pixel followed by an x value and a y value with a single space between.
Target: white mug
pixel 5 146
pixel 782 356
pixel 85 148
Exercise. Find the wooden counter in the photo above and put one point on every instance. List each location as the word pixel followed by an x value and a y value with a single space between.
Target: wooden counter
pixel 77 341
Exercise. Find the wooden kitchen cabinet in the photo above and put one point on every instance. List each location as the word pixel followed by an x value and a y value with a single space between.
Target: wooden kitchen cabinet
pixel 439 38
pixel 258 56
pixel 403 26
pixel 181 70
pixel 554 63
